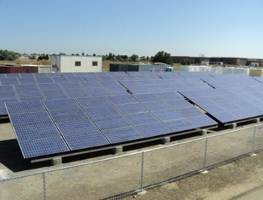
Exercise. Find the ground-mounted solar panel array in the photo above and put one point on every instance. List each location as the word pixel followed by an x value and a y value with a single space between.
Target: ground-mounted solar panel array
pixel 53 113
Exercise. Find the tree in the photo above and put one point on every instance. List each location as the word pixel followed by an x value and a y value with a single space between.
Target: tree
pixel 93 54
pixel 163 57
pixel 83 54
pixel 62 54
pixel 8 55
pixel 186 62
pixel 134 57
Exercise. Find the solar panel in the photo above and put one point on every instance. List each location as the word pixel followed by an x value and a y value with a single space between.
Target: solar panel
pixel 111 122
pixel 153 129
pixel 202 121
pixel 68 115
pixel 157 105
pixel 179 125
pixel 36 131
pixel 179 103
pixel 76 93
pixel 85 140
pixel 24 107
pixel 44 80
pixel 49 86
pixel 141 118
pixel 28 93
pixel 122 134
pixel 93 101
pixel 25 87
pixel 43 147
pixel 3 111
pixel 21 119
pixel 76 127
pixel 225 117
pixel 69 85
pixel 101 111
pixel 167 115
pixel 53 92
pixel 121 99
pixel 131 108
pixel 146 97
pixel 61 104
pixel 189 112
pixel 7 95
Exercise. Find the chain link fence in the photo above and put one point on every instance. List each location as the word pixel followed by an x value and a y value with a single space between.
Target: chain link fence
pixel 128 174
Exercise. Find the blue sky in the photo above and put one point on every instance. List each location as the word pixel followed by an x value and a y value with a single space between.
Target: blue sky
pixel 222 28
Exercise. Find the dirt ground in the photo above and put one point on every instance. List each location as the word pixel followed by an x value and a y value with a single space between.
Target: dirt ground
pixel 231 181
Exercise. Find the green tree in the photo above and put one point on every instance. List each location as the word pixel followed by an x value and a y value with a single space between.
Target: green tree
pixel 185 62
pixel 163 57
pixel 8 55
pixel 134 57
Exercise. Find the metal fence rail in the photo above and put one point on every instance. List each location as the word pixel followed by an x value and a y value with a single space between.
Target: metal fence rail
pixel 115 177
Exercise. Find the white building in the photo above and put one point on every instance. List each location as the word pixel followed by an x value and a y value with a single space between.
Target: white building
pixel 64 63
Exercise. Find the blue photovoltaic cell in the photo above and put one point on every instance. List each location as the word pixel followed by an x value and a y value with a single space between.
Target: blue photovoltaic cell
pixel 42 147
pixel 213 108
pixel 75 79
pixel 22 119
pixel 59 79
pixel 76 93
pixel 9 81
pixel 44 80
pixel 254 111
pixel 111 122
pixel 153 129
pixel 61 104
pixel 189 112
pixel 121 99
pixel 168 96
pixel 122 134
pixel 5 88
pixel 240 114
pixel 243 103
pixel 56 97
pixel 28 93
pixel 202 121
pixel 31 98
pixel 7 95
pixel 53 92
pixel 3 111
pixel 25 87
pixel 229 106
pixel 146 97
pixel 101 111
pixel 86 140
pixel 76 127
pixel 225 117
pixel 36 131
pixel 141 118
pixel 93 101
pixel 218 99
pixel 69 85
pixel 157 105
pixel 49 86
pixel 179 103
pixel 24 107
pixel 179 125
pixel 131 108
pixel 166 115
pixel 68 115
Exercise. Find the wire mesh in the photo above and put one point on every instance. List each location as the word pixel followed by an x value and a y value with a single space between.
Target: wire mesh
pixel 96 180
pixel 223 147
pixel 166 163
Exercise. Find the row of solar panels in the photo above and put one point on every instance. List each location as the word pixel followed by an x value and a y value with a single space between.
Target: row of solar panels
pixel 55 126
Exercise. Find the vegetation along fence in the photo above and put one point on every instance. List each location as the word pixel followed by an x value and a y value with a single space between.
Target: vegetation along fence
pixel 128 174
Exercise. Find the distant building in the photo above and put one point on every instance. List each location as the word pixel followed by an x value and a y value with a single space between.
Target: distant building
pixel 64 63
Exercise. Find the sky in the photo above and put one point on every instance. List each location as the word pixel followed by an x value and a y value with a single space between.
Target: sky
pixel 211 28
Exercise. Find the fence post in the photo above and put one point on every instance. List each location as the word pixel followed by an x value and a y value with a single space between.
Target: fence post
pixel 204 167
pixel 44 185
pixel 142 170
pixel 253 142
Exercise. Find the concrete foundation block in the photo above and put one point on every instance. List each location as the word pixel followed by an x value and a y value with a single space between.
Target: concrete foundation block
pixel 165 140
pixel 118 149
pixel 56 161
